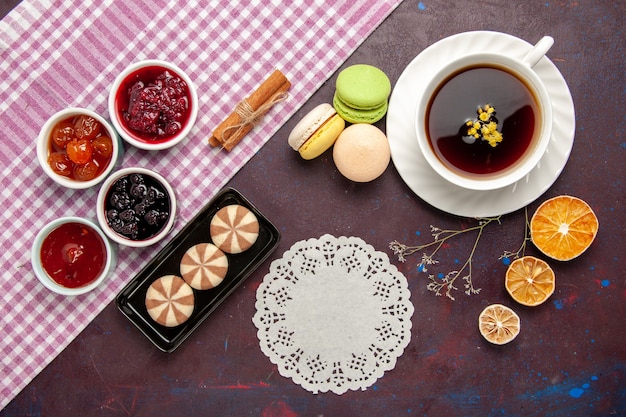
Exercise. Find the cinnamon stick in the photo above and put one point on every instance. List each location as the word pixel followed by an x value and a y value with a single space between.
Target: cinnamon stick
pixel 249 112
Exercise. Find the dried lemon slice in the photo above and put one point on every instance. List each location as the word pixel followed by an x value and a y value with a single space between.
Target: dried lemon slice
pixel 530 281
pixel 563 227
pixel 498 324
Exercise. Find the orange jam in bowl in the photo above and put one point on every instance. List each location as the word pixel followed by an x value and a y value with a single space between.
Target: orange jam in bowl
pixel 77 148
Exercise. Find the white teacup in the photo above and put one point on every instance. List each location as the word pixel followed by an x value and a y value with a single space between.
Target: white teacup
pixel 452 97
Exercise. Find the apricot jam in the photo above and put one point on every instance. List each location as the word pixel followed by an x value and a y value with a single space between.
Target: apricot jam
pixel 79 148
pixel 73 255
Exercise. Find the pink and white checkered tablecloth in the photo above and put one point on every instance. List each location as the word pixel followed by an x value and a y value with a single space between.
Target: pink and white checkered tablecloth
pixel 60 54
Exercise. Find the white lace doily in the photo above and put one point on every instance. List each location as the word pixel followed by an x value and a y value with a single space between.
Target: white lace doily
pixel 333 314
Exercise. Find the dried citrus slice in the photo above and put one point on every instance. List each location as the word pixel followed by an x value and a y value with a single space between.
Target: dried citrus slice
pixel 563 227
pixel 530 281
pixel 498 324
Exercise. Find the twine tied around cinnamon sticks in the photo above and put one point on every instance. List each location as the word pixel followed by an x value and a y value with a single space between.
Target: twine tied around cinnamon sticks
pixel 250 111
pixel 249 116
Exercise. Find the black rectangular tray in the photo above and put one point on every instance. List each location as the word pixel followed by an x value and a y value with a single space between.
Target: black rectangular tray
pixel 131 299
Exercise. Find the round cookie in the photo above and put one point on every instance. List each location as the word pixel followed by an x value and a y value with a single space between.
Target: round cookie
pixel 170 301
pixel 234 229
pixel 362 152
pixel 203 266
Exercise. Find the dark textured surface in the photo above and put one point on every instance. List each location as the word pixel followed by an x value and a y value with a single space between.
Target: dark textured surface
pixel 569 359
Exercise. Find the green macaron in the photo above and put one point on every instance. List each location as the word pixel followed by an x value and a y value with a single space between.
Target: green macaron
pixel 361 94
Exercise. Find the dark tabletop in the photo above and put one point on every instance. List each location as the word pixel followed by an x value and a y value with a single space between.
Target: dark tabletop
pixel 569 359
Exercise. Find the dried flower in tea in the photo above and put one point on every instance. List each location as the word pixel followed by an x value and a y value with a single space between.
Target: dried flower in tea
pixel 485 127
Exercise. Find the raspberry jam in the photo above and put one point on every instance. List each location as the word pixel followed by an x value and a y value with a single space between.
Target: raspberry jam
pixel 73 255
pixel 153 104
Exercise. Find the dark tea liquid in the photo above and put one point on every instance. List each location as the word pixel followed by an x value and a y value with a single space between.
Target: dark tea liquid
pixel 456 100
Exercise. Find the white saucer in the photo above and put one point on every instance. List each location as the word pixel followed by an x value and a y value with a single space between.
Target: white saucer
pixel 412 165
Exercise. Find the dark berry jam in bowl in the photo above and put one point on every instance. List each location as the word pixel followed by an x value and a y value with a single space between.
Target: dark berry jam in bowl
pixel 136 207
pixel 153 104
pixel 484 121
pixel 78 148
pixel 72 256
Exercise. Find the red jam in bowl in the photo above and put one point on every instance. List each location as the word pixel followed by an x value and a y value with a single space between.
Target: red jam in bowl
pixel 73 255
pixel 79 148
pixel 153 104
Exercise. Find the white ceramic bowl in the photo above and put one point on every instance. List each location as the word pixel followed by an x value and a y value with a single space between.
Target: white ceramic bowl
pixel 536 149
pixel 115 107
pixel 104 195
pixel 43 147
pixel 47 281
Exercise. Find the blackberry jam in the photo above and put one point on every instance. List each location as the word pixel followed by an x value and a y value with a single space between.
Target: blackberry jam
pixel 137 207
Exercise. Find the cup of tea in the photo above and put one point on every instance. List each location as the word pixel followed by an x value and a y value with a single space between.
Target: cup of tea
pixel 485 119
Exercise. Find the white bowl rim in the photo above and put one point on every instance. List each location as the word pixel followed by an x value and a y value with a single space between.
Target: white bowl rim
pixel 101 215
pixel 497 181
pixel 43 150
pixel 193 114
pixel 46 280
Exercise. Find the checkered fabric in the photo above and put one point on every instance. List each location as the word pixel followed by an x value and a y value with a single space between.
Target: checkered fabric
pixel 66 53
